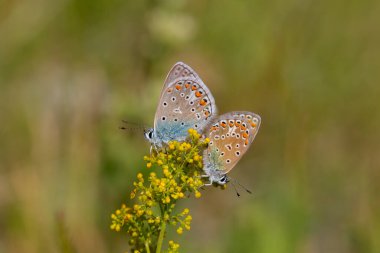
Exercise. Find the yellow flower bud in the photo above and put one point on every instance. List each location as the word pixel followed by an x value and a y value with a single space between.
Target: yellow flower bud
pixel 148 165
pixel 180 230
pixel 159 162
pixel 198 194
pixel 117 228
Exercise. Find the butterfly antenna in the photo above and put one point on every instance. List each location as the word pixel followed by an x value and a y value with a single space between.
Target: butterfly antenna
pixel 242 186
pixel 237 193
pixel 132 126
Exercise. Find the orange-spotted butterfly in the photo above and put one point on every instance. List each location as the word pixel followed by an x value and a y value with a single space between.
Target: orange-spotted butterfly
pixel 230 135
pixel 185 103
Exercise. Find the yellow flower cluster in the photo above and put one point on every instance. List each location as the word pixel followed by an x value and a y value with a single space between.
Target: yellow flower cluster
pixel 157 193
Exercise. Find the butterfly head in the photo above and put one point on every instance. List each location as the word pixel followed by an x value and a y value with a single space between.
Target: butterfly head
pixel 223 180
pixel 148 133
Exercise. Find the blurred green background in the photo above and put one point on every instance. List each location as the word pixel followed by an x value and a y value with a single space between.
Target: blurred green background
pixel 70 71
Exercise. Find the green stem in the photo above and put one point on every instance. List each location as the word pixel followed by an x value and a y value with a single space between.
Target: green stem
pixel 147 246
pixel 161 236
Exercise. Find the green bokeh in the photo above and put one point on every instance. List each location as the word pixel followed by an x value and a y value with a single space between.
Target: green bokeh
pixel 70 71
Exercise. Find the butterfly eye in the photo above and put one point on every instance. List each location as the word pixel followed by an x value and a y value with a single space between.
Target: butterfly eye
pixel 222 154
pixel 163 118
pixel 187 97
pixel 173 99
pixel 237 153
pixel 237 146
pixel 165 104
pixel 191 102
pixel 182 94
pixel 223 137
pixel 228 161
pixel 193 109
pixel 176 120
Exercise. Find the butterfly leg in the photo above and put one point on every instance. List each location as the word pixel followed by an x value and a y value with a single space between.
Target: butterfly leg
pixel 209 183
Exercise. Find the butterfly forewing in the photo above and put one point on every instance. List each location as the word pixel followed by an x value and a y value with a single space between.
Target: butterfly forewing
pixel 179 70
pixel 186 103
pixel 230 137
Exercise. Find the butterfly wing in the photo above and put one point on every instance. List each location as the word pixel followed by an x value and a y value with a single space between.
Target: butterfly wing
pixel 230 135
pixel 186 103
pixel 179 70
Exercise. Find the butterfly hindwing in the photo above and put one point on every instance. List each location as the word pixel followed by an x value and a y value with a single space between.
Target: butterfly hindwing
pixel 230 136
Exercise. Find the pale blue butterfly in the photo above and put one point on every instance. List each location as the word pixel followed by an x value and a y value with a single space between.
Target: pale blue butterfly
pixel 230 135
pixel 185 103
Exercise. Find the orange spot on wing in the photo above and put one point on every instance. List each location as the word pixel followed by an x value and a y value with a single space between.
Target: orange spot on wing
pixel 194 87
pixel 245 135
pixel 202 102
pixel 237 124
pixel 178 87
pixel 253 124
pixel 198 94
pixel 187 85
pixel 246 142
pixel 170 90
pixel 231 124
pixel 207 113
pixel 223 124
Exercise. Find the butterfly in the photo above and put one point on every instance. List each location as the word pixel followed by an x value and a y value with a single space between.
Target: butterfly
pixel 230 135
pixel 185 102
